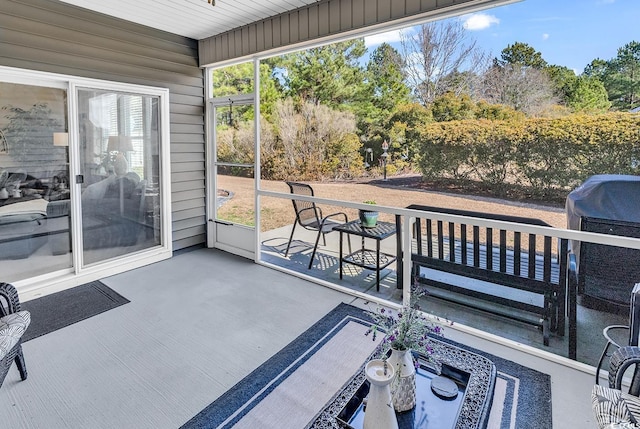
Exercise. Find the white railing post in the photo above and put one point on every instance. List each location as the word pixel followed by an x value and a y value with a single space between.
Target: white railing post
pixel 406 259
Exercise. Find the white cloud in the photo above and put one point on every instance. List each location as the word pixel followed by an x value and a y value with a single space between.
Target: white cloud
pixel 378 39
pixel 479 21
pixel 545 36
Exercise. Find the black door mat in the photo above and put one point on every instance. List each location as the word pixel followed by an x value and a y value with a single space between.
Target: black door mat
pixel 52 312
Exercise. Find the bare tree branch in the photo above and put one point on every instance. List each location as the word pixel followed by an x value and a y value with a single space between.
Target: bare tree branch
pixel 526 89
pixel 437 52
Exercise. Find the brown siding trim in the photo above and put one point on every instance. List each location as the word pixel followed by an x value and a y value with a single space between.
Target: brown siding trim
pixel 325 19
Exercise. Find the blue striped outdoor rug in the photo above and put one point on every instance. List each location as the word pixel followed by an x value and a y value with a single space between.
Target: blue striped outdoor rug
pixel 522 396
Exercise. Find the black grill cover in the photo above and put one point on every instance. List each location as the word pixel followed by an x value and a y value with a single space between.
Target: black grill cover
pixel 614 270
pixel 605 196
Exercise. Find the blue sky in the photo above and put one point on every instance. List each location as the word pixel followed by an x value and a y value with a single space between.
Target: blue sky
pixel 568 33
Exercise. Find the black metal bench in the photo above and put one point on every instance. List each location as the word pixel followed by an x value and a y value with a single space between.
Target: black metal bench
pixel 516 271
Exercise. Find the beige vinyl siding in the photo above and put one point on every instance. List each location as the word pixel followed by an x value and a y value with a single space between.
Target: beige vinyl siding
pixel 324 20
pixel 55 37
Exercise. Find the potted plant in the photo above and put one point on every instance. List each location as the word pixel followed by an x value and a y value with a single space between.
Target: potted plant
pixel 368 218
pixel 405 330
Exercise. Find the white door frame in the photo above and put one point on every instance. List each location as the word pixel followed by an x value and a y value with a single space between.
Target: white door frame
pixel 222 234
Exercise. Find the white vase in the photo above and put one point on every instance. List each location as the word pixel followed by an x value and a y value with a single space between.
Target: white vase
pixel 379 413
pixel 4 194
pixel 404 394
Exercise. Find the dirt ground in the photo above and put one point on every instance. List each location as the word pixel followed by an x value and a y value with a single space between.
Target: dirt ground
pixel 396 192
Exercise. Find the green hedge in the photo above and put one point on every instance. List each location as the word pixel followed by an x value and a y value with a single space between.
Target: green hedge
pixel 543 154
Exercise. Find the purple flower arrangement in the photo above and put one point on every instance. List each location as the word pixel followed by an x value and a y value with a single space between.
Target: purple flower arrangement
pixel 407 328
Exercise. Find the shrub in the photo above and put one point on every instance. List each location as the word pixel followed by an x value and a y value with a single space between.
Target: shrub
pixel 544 154
pixel 497 112
pixel 410 118
pixel 451 107
pixel 343 160
pixel 443 150
pixel 311 142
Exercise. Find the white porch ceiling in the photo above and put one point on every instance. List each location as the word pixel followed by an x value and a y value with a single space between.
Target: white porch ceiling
pixel 196 19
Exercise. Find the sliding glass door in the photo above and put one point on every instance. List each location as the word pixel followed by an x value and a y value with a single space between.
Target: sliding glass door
pixel 34 179
pixel 119 173
pixel 84 177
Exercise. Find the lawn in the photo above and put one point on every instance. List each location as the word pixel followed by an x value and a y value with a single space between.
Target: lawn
pixel 277 212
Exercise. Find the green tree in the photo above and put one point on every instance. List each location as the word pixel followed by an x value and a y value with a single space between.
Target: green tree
pixel 238 79
pixel 620 76
pixel 383 91
pixel 232 80
pixel 623 77
pixel 579 93
pixel 588 94
pixel 521 54
pixel 597 69
pixel 564 79
pixel 329 75
pixel 270 91
pixel 386 78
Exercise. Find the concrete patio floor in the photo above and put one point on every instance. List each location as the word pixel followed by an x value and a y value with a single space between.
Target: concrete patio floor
pixel 196 325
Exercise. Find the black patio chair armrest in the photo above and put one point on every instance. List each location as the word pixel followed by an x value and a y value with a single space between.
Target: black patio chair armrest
pixel 605 333
pixel 324 219
pixel 9 299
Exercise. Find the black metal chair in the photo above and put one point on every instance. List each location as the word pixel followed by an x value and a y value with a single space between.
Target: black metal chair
pixel 612 405
pixel 309 216
pixel 10 309
pixel 633 330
